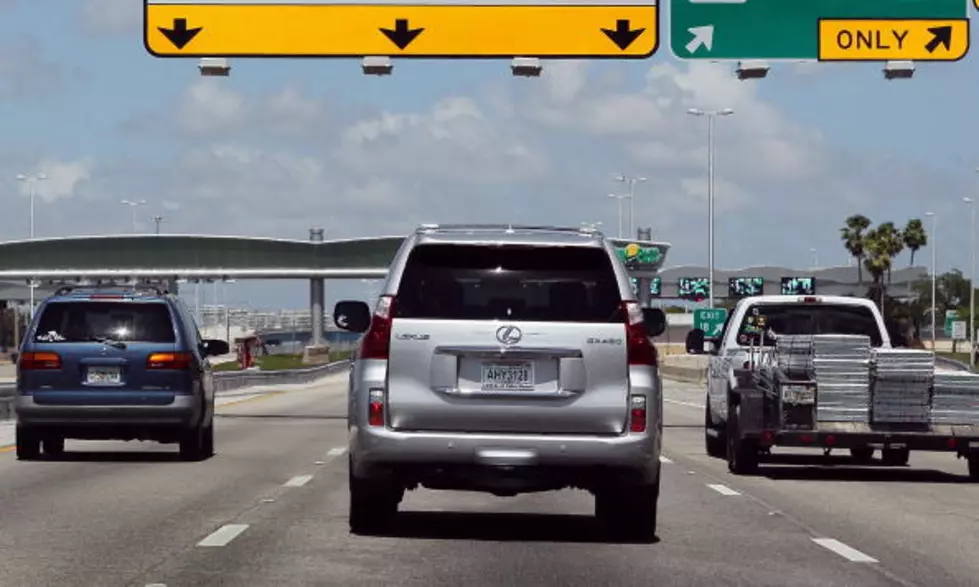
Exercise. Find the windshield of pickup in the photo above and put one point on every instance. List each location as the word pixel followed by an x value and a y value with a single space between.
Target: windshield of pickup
pixel 777 319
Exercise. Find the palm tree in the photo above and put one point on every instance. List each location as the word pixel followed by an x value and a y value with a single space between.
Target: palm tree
pixel 855 242
pixel 914 237
pixel 877 259
pixel 892 243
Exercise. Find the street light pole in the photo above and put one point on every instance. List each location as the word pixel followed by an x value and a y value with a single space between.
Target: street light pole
pixel 31 180
pixel 710 114
pixel 815 258
pixel 632 198
pixel 134 204
pixel 619 199
pixel 157 219
pixel 934 273
pixel 972 285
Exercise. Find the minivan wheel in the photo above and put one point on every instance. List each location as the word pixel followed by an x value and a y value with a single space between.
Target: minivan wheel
pixel 628 513
pixel 373 505
pixel 53 446
pixel 192 444
pixel 28 444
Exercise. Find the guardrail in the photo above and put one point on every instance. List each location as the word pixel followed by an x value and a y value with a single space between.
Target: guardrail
pixel 223 381
pixel 952 363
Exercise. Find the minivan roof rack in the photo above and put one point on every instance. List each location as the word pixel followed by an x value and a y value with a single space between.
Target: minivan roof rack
pixel 522 227
pixel 145 288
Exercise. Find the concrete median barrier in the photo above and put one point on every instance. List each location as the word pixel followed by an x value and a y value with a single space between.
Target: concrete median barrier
pixel 684 374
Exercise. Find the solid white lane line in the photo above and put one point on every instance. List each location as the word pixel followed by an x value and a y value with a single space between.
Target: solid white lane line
pixel 847 552
pixel 223 535
pixel 298 481
pixel 722 489
pixel 335 452
pixel 663 459
pixel 679 403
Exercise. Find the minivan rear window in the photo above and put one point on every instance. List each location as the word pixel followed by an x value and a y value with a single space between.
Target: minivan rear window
pixel 508 282
pixel 84 321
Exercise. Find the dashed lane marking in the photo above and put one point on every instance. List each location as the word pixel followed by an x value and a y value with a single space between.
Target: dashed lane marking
pixel 335 452
pixel 849 553
pixel 223 535
pixel 663 459
pixel 679 403
pixel 298 481
pixel 722 489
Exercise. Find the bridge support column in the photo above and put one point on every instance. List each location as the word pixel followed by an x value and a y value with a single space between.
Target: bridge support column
pixel 317 351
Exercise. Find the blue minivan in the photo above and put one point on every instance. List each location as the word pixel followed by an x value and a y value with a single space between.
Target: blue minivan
pixel 119 363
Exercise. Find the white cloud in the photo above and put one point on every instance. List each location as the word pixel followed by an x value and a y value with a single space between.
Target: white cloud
pixel 61 179
pixel 111 16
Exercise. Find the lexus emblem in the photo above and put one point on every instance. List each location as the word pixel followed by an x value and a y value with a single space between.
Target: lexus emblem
pixel 508 335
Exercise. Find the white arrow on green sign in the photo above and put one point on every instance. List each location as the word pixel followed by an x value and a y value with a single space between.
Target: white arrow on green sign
pixel 710 320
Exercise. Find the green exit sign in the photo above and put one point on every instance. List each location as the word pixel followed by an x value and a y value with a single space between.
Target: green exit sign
pixel 710 320
pixel 826 30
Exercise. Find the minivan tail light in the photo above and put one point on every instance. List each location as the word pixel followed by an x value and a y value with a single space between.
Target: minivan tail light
pixel 638 346
pixel 40 361
pixel 375 407
pixel 637 413
pixel 170 361
pixel 377 339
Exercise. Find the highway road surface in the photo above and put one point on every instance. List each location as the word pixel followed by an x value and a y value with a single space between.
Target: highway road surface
pixel 270 509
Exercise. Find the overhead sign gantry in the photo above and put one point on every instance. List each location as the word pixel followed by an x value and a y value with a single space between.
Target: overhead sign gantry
pixel 435 29
pixel 823 30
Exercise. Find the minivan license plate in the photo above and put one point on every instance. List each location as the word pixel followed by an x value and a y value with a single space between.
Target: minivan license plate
pixel 103 375
pixel 508 377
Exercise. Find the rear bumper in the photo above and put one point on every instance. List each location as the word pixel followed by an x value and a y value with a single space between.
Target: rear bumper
pixel 183 411
pixel 377 448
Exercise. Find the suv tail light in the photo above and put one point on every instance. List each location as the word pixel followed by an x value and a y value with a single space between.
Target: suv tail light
pixel 637 413
pixel 377 339
pixel 172 361
pixel 40 361
pixel 375 407
pixel 638 347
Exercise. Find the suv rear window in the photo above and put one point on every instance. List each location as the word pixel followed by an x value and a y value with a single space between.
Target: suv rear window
pixel 93 321
pixel 807 319
pixel 509 282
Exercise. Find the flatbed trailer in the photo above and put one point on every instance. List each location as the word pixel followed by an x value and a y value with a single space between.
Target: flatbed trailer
pixel 759 420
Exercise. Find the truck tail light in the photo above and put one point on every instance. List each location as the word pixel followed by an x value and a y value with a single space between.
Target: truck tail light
pixel 637 413
pixel 375 407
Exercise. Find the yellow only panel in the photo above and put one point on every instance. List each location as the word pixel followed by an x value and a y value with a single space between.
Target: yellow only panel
pixel 250 30
pixel 895 39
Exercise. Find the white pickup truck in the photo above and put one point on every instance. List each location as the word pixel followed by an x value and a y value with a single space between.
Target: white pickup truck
pixel 753 404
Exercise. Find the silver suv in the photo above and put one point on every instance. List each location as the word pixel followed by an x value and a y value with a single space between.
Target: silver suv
pixel 507 360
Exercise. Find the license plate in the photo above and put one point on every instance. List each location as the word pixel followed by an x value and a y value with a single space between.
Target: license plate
pixel 508 377
pixel 103 375
pixel 798 394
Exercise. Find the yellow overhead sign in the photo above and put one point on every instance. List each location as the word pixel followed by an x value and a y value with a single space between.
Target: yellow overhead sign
pixel 893 39
pixel 336 30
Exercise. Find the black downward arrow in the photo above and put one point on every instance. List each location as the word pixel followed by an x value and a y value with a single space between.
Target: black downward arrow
pixel 623 36
pixel 940 35
pixel 180 35
pixel 402 36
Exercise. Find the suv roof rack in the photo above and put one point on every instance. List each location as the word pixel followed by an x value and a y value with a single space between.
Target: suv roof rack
pixel 522 227
pixel 138 288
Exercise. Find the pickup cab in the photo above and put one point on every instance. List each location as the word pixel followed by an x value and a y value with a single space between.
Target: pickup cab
pixel 746 410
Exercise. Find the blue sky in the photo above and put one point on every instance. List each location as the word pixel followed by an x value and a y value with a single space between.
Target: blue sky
pixel 283 145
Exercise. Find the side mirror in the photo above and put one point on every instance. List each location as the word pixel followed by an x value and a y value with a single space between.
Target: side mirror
pixel 655 320
pixel 216 348
pixel 695 342
pixel 352 316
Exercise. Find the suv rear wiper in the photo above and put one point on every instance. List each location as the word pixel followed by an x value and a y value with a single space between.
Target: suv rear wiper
pixel 110 342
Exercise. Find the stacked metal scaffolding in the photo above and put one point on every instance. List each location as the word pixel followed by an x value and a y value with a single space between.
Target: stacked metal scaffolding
pixel 841 369
pixel 956 398
pixel 794 355
pixel 902 385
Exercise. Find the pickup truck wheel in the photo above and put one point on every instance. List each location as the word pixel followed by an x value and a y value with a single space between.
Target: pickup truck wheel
pixel 628 513
pixel 28 444
pixel 895 457
pixel 742 453
pixel 974 467
pixel 863 454
pixel 715 444
pixel 373 505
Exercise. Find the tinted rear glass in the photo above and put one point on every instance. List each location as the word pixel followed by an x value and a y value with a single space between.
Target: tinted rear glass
pixel 509 283
pixel 807 319
pixel 93 321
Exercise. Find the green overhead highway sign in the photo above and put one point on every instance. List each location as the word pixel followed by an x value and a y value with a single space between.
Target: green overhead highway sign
pixel 710 320
pixel 825 30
